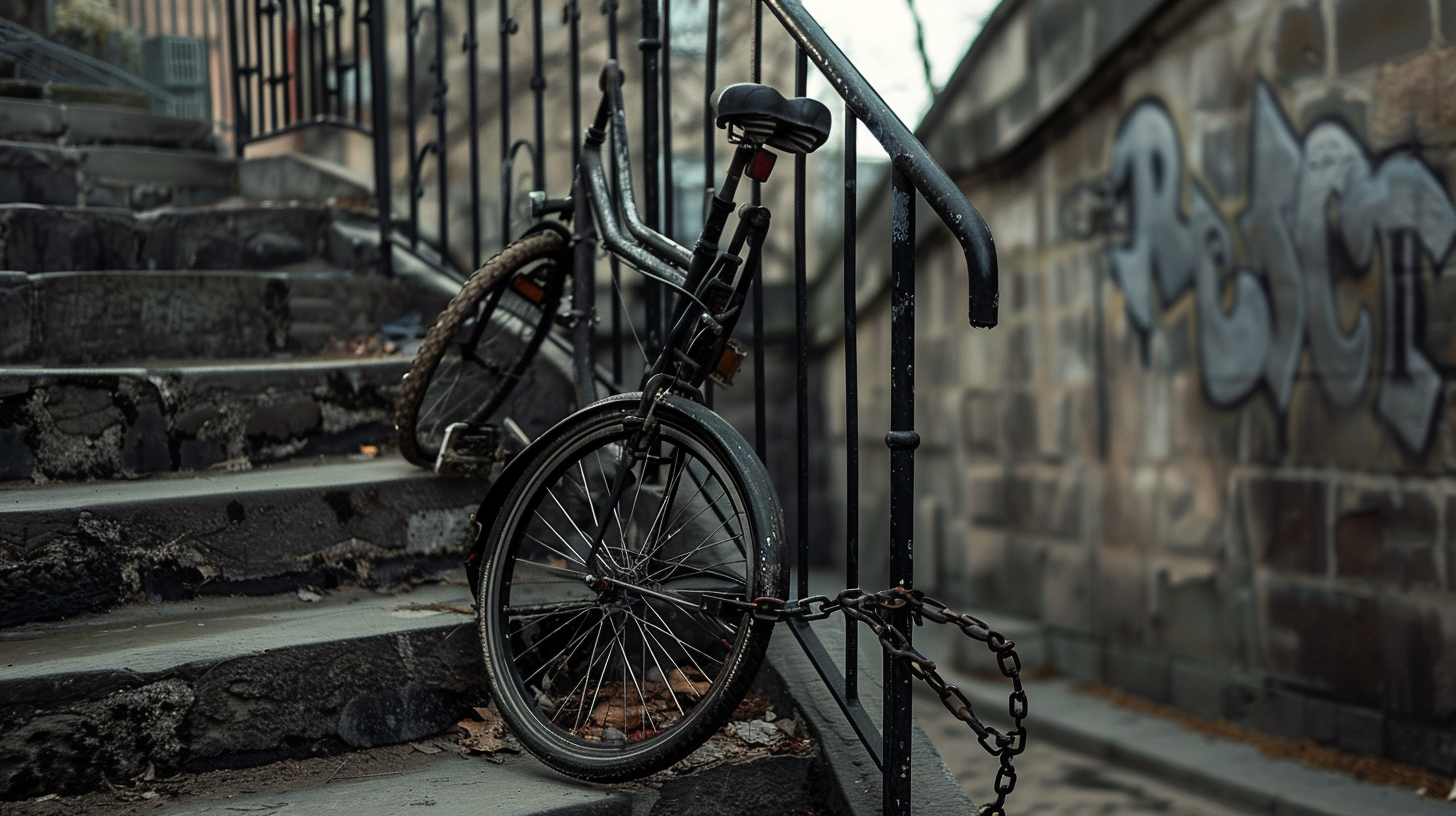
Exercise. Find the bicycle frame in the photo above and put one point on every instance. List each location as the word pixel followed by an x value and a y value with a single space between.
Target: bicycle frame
pixel 711 279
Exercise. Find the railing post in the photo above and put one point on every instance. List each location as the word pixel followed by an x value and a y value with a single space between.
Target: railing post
pixel 851 397
pixel 442 144
pixel 240 124
pixel 801 331
pixel 471 46
pixel 379 124
pixel 902 441
pixel 507 28
pixel 650 44
pixel 760 360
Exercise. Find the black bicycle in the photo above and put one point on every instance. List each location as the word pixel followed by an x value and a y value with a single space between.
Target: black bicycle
pixel 617 554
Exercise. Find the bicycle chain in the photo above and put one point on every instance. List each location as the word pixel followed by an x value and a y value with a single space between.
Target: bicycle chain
pixel 864 607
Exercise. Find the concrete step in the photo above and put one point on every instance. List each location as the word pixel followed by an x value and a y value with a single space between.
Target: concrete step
pixel 66 93
pixel 300 177
pixel 117 316
pixel 71 549
pixel 138 178
pixel 223 525
pixel 226 236
pixel 82 124
pixel 69 423
pixel 236 681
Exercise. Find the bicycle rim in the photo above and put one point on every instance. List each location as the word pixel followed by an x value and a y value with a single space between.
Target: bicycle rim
pixel 488 353
pixel 612 684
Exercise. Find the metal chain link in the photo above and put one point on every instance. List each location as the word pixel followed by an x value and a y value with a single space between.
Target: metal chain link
pixel 864 607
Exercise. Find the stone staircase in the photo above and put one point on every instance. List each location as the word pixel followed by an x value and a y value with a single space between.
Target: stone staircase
pixel 185 419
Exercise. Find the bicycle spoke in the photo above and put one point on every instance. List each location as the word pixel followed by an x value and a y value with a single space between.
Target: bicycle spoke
pixel 687 648
pixel 667 680
pixel 550 682
pixel 706 570
pixel 541 640
pixel 734 537
pixel 627 313
pixel 576 576
pixel 586 679
pixel 626 672
pixel 669 493
pixel 607 482
pixel 689 503
pixel 606 657
pixel 596 521
pixel 575 526
pixel 573 557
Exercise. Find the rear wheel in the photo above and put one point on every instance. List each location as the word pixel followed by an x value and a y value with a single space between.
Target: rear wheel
pixel 618 678
pixel 481 344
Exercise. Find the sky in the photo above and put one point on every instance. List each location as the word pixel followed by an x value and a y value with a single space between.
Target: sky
pixel 879 37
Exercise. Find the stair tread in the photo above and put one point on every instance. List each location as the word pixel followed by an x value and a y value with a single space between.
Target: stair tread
pixel 193 484
pixel 90 123
pixel 200 367
pixel 158 637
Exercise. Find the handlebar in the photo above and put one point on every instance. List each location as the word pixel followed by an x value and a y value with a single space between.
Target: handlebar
pixel 612 112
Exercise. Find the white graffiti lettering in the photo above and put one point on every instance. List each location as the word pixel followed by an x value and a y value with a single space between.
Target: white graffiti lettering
pixel 1318 210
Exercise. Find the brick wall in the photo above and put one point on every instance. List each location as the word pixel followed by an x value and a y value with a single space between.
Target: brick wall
pixel 1212 444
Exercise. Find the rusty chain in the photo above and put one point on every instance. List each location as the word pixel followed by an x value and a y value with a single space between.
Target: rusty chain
pixel 865 607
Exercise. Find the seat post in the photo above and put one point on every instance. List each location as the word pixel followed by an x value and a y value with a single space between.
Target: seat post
pixel 719 206
pixel 741 157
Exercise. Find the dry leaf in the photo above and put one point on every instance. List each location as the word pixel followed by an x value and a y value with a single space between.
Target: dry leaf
pixel 682 684
pixel 486 736
pixel 480 737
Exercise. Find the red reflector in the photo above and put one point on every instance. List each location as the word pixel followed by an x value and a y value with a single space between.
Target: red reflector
pixel 763 163
pixel 529 290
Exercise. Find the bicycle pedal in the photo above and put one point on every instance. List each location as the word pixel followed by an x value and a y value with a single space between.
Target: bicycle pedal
pixel 471 451
pixel 728 364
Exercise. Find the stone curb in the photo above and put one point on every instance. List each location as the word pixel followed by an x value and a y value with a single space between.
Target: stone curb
pixel 1232 772
pixel 850 782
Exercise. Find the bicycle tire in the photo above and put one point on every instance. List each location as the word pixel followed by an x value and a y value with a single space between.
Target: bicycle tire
pixel 531 599
pixel 443 384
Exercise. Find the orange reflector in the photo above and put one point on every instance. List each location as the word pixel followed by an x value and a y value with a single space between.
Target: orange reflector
pixel 529 290
pixel 762 165
pixel 729 364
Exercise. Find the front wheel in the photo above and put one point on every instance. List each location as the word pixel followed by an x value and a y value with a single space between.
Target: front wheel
pixel 620 677
pixel 480 346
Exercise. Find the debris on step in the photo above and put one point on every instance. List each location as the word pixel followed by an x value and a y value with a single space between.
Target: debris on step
pixel 487 735
pixel 364 345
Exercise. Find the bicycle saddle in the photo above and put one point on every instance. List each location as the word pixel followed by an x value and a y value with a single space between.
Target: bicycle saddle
pixel 759 114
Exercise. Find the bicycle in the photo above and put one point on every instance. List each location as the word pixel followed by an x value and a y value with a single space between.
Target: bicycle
pixel 629 564
pixel 616 537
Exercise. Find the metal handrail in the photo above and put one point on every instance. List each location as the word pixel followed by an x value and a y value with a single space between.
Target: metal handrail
pixel 907 155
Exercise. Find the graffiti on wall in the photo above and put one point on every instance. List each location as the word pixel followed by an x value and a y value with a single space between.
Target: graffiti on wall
pixel 1319 209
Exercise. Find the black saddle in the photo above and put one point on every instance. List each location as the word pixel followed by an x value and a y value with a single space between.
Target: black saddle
pixel 758 114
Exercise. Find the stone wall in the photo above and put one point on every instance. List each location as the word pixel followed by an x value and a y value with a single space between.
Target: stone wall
pixel 1212 444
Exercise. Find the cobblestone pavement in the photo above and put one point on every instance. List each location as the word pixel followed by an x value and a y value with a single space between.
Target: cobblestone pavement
pixel 1053 781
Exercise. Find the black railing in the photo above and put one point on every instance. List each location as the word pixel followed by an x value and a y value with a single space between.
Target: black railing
pixel 292 59
pixel 914 172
